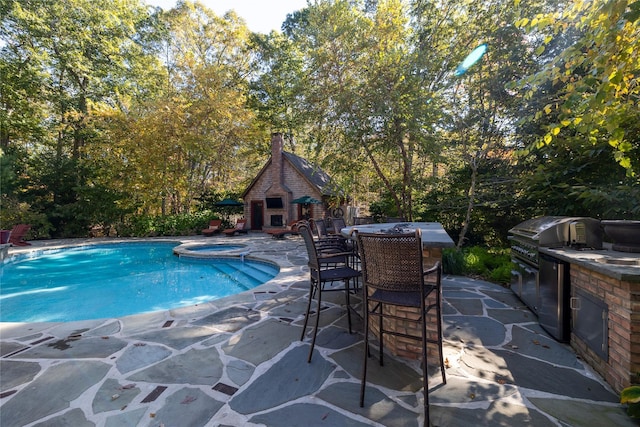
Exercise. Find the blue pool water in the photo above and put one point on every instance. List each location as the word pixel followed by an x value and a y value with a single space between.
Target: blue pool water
pixel 114 280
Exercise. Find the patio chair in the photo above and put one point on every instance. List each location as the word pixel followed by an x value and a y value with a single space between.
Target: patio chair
pixel 323 236
pixel 320 228
pixel 362 220
pixel 325 269
pixel 280 233
pixel 338 225
pixel 326 242
pixel 349 244
pixel 393 275
pixel 16 237
pixel 241 225
pixel 214 227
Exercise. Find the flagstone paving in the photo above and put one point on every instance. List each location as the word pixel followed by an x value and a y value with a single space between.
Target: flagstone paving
pixel 239 361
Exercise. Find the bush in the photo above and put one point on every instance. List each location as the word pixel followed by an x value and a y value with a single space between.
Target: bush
pixel 13 213
pixel 501 274
pixel 476 261
pixel 493 265
pixel 169 225
pixel 453 262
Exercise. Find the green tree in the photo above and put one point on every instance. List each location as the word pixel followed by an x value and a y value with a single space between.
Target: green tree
pixel 358 95
pixel 479 113
pixel 186 140
pixel 598 75
pixel 82 50
pixel 275 91
pixel 69 56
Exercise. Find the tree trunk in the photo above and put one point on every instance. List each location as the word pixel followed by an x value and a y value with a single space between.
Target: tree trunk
pixel 381 174
pixel 471 195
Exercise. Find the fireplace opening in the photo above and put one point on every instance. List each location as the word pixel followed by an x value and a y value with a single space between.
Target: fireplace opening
pixel 274 203
pixel 276 221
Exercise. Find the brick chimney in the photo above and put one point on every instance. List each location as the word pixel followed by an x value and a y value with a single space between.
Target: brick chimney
pixel 277 143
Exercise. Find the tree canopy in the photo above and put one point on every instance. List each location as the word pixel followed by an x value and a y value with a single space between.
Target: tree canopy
pixel 113 110
pixel 599 90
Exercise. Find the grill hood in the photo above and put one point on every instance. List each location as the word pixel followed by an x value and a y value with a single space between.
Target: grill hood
pixel 558 231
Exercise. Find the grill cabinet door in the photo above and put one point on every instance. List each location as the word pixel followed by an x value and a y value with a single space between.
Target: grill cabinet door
pixel 526 284
pixel 553 313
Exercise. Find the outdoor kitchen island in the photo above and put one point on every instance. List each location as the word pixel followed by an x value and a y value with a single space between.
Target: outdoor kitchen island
pixel 605 310
pixel 434 239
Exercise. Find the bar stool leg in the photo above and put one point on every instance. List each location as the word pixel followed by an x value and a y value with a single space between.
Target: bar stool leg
pixel 425 368
pixel 348 302
pixel 315 329
pixel 363 384
pixel 380 326
pixel 306 316
pixel 439 330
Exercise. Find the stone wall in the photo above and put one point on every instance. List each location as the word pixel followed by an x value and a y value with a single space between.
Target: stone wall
pixel 623 301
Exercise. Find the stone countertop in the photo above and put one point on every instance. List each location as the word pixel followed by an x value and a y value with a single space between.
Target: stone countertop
pixel 619 265
pixel 433 234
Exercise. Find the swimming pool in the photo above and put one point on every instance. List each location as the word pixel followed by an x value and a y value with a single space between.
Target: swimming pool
pixel 114 280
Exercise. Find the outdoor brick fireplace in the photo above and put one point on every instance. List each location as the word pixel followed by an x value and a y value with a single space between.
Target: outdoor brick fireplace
pixel 285 178
pixel 276 221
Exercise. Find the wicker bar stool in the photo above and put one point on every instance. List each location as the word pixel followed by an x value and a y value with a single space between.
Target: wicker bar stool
pixel 326 268
pixel 393 274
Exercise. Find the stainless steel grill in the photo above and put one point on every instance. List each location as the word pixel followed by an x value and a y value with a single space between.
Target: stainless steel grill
pixel 553 232
pixel 541 281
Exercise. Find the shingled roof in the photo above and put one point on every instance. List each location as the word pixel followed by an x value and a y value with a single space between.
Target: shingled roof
pixel 316 176
pixel 312 173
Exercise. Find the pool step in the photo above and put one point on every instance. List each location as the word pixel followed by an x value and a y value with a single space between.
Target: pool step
pixel 246 275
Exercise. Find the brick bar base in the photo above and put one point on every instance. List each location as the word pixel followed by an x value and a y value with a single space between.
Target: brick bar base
pixel 623 300
pixel 406 347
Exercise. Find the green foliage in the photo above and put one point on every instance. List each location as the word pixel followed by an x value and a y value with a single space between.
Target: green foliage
pixel 493 213
pixel 170 225
pixel 493 265
pixel 631 396
pixel 381 209
pixel 453 262
pixel 13 212
pixel 596 75
pixel 502 273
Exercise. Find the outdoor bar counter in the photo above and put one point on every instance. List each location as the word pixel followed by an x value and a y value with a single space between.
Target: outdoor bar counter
pixel 433 234
pixel 434 239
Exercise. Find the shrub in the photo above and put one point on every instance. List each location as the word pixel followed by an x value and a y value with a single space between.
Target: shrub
pixel 453 262
pixel 476 261
pixel 501 274
pixel 489 264
pixel 168 225
pixel 631 396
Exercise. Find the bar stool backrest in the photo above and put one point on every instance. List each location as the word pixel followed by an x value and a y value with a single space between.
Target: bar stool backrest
pixel 338 224
pixel 305 230
pixel 392 262
pixel 321 228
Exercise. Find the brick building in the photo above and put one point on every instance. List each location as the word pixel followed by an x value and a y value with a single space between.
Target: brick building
pixel 284 178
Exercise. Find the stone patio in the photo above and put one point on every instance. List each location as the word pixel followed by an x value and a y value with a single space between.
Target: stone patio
pixel 238 361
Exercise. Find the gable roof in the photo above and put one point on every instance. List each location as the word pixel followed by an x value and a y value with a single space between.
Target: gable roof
pixel 310 172
pixel 316 176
